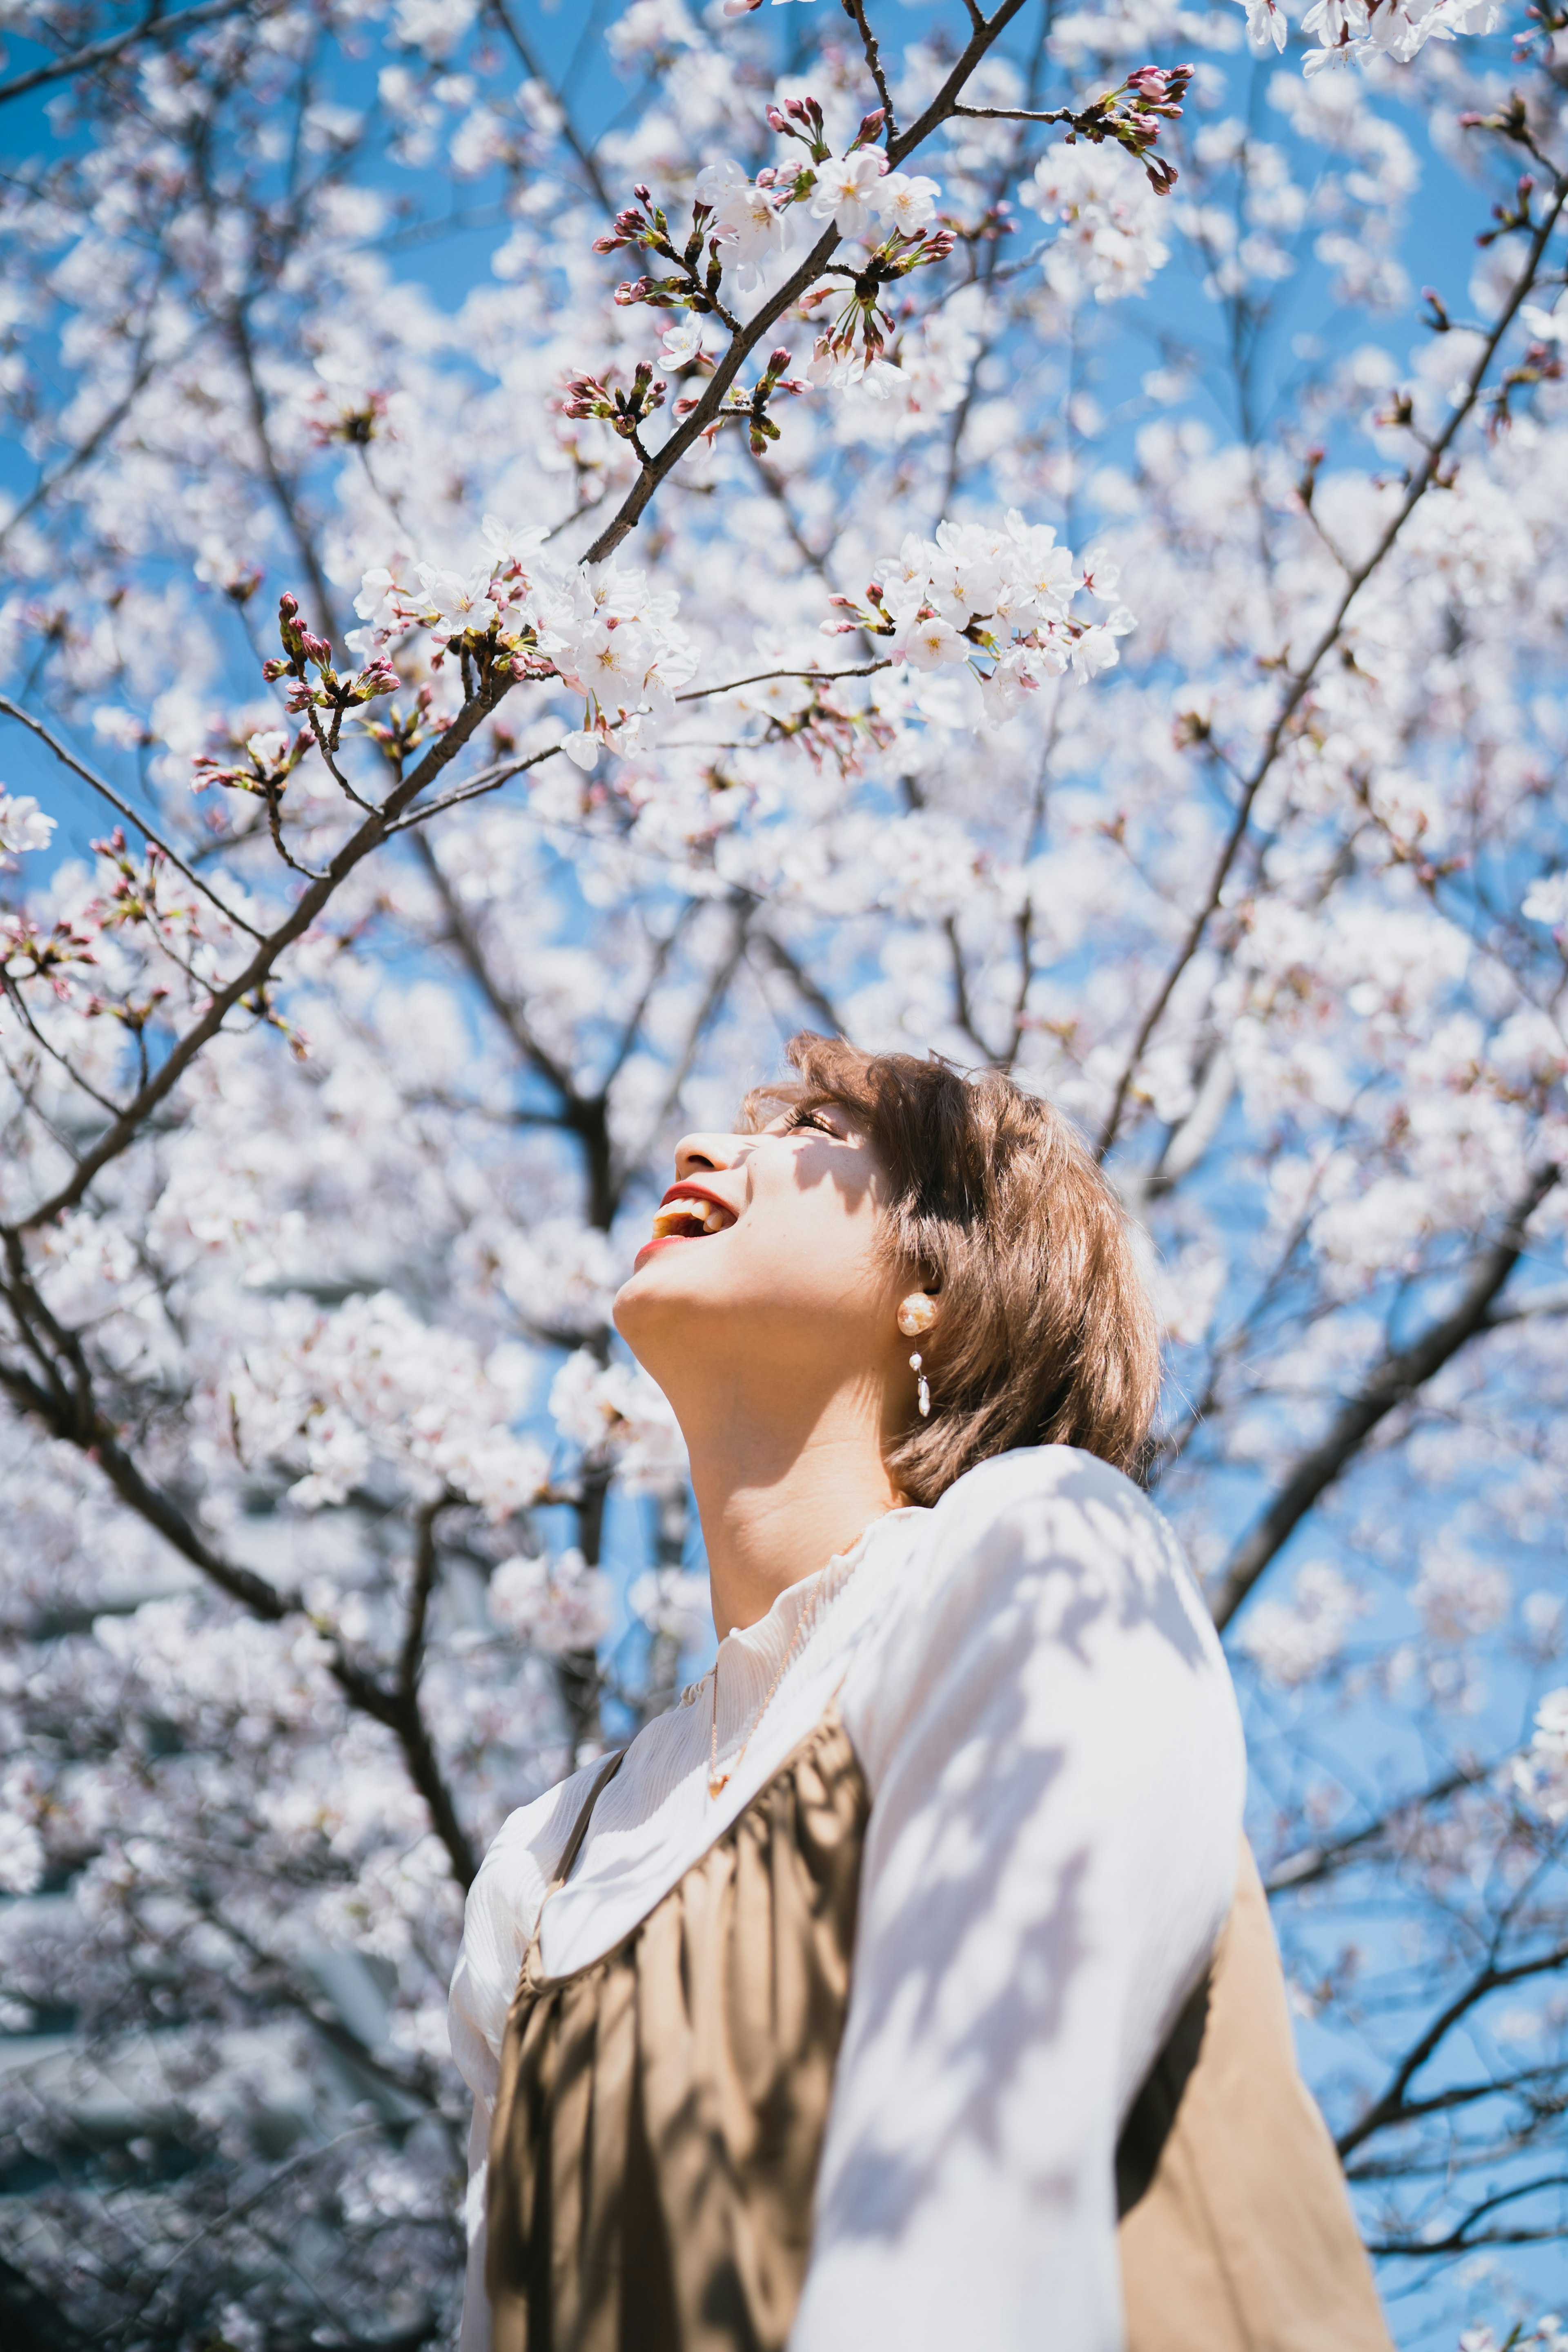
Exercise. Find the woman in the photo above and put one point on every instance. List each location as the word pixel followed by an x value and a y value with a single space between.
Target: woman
pixel 900 1987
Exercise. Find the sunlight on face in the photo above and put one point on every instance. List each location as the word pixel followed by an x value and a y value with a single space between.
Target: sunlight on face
pixel 766 1243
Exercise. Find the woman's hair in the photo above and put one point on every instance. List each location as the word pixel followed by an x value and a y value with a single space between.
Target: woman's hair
pixel 1046 1334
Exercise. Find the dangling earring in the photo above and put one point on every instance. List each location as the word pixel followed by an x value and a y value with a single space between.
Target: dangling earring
pixel 917 1314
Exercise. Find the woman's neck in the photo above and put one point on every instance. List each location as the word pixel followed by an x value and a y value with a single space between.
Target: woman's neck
pixel 777 1505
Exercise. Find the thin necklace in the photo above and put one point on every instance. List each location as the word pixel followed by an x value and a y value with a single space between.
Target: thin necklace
pixel 718 1782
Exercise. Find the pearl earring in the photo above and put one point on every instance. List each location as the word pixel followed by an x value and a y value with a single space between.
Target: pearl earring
pixel 917 1314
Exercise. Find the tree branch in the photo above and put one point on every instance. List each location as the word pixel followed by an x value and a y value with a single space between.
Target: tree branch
pixel 1310 1862
pixel 582 1114
pixel 855 10
pixel 1301 680
pixel 88 775
pixel 819 1002
pixel 153 27
pixel 1402 1371
pixel 1457 2241
pixel 585 156
pixel 1390 2109
pixel 631 510
pixel 366 837
pixel 70 1410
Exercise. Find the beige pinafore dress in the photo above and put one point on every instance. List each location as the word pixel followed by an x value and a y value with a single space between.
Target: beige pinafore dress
pixel 661 2113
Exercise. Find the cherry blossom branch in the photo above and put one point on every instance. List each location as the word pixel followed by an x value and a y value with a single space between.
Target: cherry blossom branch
pixel 761 677
pixel 963 1008
pixel 282 488
pixel 717 989
pixel 1461 2095
pixel 63 1397
pixel 107 793
pixel 154 27
pixel 630 1028
pixel 1402 1372
pixel 143 370
pixel 1301 680
pixel 777 490
pixel 1460 2241
pixel 367 837
pixel 488 780
pixel 290 2167
pixel 410 1660
pixel 811 993
pixel 1312 1862
pixel 1389 2110
pixel 530 64
pixel 18 1004
pixel 584 1115
pixel 988 30
pixel 855 10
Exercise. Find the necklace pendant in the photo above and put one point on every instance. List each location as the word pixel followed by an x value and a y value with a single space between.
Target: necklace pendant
pixel 717 1783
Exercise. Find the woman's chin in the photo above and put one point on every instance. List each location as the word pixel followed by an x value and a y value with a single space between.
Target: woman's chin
pixel 647 1290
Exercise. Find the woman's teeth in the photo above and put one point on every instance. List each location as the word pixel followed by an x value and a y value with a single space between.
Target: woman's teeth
pixel 688 1219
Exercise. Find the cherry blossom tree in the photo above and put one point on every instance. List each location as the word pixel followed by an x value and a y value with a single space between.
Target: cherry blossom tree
pixel 949 526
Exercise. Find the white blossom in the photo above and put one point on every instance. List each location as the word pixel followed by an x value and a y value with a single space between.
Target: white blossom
pixel 553 1605
pixel 23 825
pixel 848 192
pixel 1109 243
pixel 1293 1641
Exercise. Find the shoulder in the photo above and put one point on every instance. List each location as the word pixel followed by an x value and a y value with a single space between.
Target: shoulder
pixel 1055 1511
pixel 499 1917
pixel 1041 1476
pixel 1044 1581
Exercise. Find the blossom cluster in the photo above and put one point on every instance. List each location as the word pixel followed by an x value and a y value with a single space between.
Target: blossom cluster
pixel 608 635
pixel 996 603
pixel 1356 31
pixel 338 1392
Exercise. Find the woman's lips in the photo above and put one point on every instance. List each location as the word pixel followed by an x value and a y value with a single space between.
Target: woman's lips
pixel 662 1242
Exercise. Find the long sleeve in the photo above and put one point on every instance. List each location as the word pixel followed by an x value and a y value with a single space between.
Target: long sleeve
pixel 1057 1780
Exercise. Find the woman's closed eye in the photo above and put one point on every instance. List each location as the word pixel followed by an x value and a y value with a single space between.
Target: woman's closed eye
pixel 813 1118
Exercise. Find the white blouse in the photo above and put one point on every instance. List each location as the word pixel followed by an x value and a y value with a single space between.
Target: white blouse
pixel 1046 1725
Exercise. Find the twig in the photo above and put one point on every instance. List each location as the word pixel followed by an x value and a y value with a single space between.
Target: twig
pixel 1301 679
pixel 856 10
pixel 988 30
pixel 760 677
pixel 153 28
pixel 585 156
pixel 70 760
pixel 488 780
pixel 1402 1371
pixel 1310 1862
pixel 367 837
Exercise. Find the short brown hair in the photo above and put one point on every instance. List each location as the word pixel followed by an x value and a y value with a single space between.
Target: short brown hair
pixel 1046 1334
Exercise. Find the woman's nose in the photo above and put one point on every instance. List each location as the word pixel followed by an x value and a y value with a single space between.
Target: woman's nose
pixel 695 1152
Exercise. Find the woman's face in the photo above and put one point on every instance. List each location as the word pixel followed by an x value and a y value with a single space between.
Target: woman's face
pixel 764 1260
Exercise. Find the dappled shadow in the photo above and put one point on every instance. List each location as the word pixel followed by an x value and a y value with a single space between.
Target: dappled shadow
pixel 991 1943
